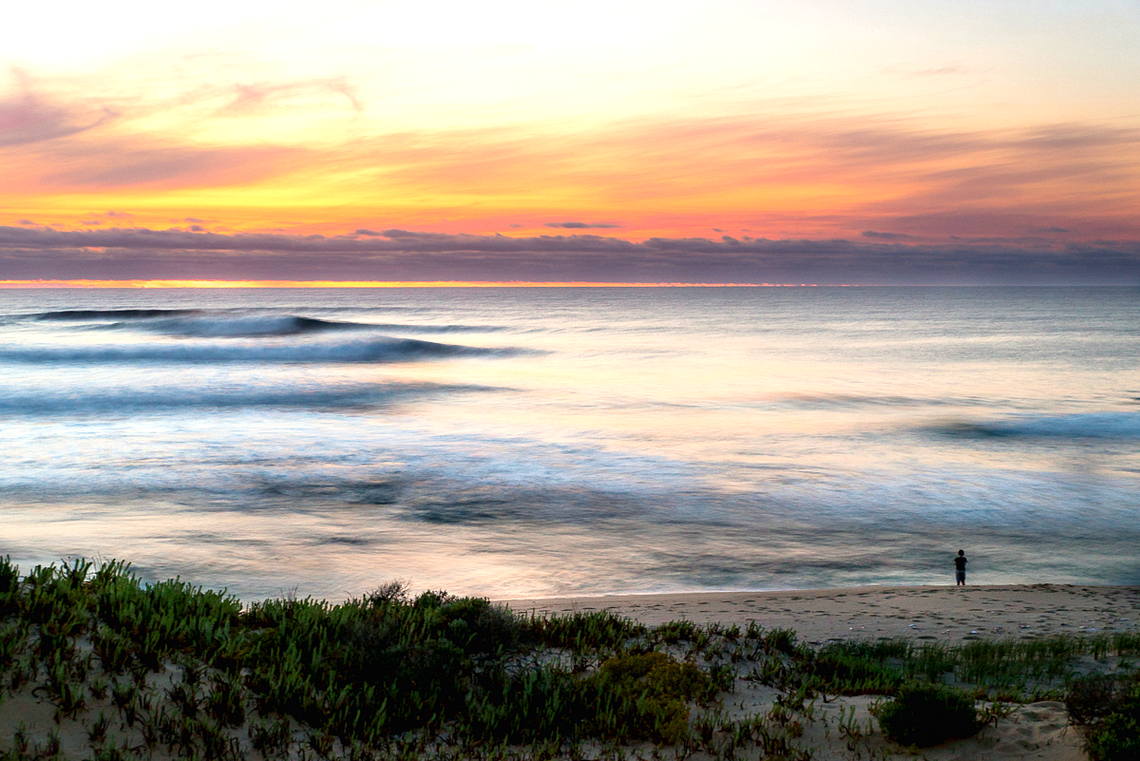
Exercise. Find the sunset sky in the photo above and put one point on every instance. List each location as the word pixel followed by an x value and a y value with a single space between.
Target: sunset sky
pixel 823 141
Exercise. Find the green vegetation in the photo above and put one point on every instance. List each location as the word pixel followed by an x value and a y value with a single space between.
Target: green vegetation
pixel 928 714
pixel 1107 706
pixel 139 670
pixel 1012 670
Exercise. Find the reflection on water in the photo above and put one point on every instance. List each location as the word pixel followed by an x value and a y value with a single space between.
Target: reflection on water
pixel 529 442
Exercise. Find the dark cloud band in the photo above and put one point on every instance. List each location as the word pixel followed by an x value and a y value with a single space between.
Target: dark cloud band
pixel 395 254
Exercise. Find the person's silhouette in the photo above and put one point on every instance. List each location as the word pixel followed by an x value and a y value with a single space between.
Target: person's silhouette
pixel 960 568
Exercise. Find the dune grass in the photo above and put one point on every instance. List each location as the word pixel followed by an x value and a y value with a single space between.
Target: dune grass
pixel 169 670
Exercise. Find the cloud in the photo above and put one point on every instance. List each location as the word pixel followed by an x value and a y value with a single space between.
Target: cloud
pixel 27 117
pixel 811 173
pixel 179 167
pixel 253 98
pixel 926 71
pixel 886 235
pixel 581 225
pixel 398 254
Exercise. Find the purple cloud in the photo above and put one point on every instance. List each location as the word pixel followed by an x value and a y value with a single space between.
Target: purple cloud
pixel 581 225
pixel 409 255
pixel 886 235
pixel 186 166
pixel 26 117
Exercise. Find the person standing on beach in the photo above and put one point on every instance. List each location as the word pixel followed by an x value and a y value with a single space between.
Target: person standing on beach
pixel 960 568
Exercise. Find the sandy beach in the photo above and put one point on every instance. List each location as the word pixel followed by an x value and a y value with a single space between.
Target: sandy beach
pixel 942 613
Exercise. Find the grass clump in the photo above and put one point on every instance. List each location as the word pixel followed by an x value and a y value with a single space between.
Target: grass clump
pixel 928 714
pixel 598 631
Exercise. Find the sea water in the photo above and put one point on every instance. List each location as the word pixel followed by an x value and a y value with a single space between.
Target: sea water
pixel 517 442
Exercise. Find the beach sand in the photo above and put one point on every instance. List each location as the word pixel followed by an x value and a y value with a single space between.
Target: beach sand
pixel 947 613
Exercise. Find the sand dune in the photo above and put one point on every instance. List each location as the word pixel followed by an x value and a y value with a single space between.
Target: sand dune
pixel 1038 731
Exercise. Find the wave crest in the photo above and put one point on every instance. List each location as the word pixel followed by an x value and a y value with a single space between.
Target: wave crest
pixel 112 400
pixel 1085 425
pixel 243 326
pixel 372 350
pixel 254 326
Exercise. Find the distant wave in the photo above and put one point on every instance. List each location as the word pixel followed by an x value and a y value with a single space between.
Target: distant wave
pixel 252 326
pixel 405 328
pixel 241 326
pixel 109 314
pixel 829 401
pixel 1095 425
pixel 144 400
pixel 371 350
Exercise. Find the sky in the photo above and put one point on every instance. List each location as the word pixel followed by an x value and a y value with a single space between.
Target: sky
pixel 726 141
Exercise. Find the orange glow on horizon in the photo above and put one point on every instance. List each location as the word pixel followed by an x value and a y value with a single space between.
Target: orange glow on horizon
pixel 373 284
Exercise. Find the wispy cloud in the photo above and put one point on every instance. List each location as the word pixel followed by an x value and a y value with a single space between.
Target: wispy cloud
pixel 177 167
pixel 255 97
pixel 879 235
pixel 581 225
pixel 29 117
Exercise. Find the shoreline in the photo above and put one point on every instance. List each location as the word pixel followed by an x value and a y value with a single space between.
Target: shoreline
pixel 946 613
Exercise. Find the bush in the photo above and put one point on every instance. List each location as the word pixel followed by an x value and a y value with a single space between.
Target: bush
pixel 1108 706
pixel 928 714
pixel 646 697
pixel 1091 698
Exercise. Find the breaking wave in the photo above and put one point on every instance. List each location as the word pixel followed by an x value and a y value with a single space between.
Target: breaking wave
pixel 144 400
pixel 371 350
pixel 243 326
pixel 253 326
pixel 406 328
pixel 1087 425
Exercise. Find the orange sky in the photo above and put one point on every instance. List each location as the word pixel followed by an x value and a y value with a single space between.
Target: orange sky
pixel 1013 125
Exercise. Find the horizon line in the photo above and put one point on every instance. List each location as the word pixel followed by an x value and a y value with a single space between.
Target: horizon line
pixel 208 284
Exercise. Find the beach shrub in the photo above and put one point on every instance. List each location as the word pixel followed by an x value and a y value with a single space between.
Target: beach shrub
pixel 928 714
pixel 1108 707
pixel 1117 736
pixel 1091 698
pixel 9 586
pixel 645 697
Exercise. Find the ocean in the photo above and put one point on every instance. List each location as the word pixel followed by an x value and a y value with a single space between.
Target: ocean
pixel 515 442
